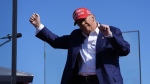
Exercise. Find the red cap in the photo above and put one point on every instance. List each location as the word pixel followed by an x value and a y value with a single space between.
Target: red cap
pixel 80 13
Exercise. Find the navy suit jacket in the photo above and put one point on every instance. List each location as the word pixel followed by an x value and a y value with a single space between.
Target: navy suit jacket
pixel 108 51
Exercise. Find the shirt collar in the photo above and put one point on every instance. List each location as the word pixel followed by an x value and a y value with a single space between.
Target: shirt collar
pixel 97 29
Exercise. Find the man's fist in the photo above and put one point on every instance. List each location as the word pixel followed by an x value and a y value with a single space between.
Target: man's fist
pixel 35 20
pixel 105 29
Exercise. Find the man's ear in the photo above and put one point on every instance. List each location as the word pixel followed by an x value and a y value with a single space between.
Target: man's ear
pixel 92 16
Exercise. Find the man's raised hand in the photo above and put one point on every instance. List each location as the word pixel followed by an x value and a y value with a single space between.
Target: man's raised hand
pixel 35 20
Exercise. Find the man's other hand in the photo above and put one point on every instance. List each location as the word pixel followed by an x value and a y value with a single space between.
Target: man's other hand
pixel 35 20
pixel 105 29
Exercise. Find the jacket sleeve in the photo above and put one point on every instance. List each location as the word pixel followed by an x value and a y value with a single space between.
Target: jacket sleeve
pixel 118 43
pixel 54 40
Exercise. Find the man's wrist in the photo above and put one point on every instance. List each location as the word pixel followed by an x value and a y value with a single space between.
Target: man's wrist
pixel 39 28
pixel 109 35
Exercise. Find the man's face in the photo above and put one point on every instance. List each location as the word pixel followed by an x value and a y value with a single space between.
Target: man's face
pixel 86 24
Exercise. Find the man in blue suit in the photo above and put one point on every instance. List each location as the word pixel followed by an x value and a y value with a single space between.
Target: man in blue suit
pixel 93 49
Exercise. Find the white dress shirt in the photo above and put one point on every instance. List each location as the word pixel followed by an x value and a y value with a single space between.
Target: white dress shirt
pixel 87 65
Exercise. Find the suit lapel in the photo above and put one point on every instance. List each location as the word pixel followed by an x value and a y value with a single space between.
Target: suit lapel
pixel 100 42
pixel 76 49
